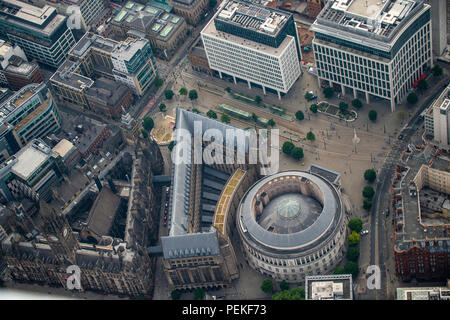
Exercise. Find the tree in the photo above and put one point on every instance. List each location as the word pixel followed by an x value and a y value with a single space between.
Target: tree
pixel 258 100
pixel 175 294
pixel 299 115
pixel 401 115
pixel 355 224
pixel 353 254
pixel 225 118
pixel 314 108
pixel 228 89
pixel 267 286
pixel 297 153
pixel 183 91
pixel 367 204
pixel 284 285
pixel 199 294
pixel 437 70
pixel 271 122
pixel 202 16
pixel 351 268
pixel 292 294
pixel 212 3
pixel 144 133
pixel 193 94
pixel 412 98
pixel 353 238
pixel 211 114
pixel 368 192
pixel 310 136
pixel 148 124
pixel 288 147
pixel 308 96
pixel 422 85
pixel 195 110
pixel 373 115
pixel 162 107
pixel 356 103
pixel 159 82
pixel 171 145
pixel 343 108
pixel 370 175
pixel 169 94
pixel 328 92
pixel 338 270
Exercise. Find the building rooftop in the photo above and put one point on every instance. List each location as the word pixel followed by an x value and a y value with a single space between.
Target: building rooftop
pixel 107 90
pixel 329 287
pixel 66 75
pixel 253 16
pixel 378 20
pixel 424 293
pixel 190 245
pixel 43 20
pixel 102 213
pixel 30 158
pixel 20 67
pixel 13 104
pixel 63 148
pixel 127 49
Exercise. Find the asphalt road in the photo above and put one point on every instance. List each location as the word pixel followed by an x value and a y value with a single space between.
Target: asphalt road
pixel 383 191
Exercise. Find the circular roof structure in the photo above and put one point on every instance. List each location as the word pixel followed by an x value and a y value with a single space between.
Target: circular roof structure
pixel 290 220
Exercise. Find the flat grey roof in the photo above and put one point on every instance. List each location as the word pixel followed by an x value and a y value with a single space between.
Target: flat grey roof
pixel 325 223
pixel 30 158
pixel 190 245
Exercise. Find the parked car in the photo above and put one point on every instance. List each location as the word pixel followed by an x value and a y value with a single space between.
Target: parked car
pixel 364 232
pixel 400 137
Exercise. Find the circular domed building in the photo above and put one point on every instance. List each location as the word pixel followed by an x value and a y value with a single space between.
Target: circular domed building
pixel 292 224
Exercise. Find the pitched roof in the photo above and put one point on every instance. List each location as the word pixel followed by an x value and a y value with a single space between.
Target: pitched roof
pixel 190 245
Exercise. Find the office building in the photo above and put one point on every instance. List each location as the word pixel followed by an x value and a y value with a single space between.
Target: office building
pixel 198 59
pixel 439 15
pixel 255 44
pixel 6 52
pixel 424 293
pixel 165 31
pixel 41 32
pixel 314 7
pixel 374 48
pixel 329 287
pixel 191 10
pixel 437 120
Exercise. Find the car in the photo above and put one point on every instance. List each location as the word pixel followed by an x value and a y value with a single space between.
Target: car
pixel 387 212
pixel 364 232
pixel 165 218
pixel 400 137
pixel 165 224
pixel 314 97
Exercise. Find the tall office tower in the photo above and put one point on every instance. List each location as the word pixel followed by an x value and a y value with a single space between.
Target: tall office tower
pixel 254 43
pixel 439 16
pixel 373 47
pixel 42 33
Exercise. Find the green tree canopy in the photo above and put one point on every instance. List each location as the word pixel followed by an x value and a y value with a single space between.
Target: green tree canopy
pixel 355 224
pixel 299 115
pixel 368 192
pixel 291 294
pixel 193 94
pixel 338 270
pixel 308 96
pixel 171 145
pixel 159 82
pixel 328 92
pixel 271 122
pixel 373 115
pixel 225 118
pixel 353 238
pixel 288 147
pixel 183 91
pixel 412 98
pixel 212 3
pixel 343 107
pixel 284 285
pixel 353 254
pixel 148 124
pixel 144 133
pixel 422 85
pixel 195 110
pixel 314 108
pixel 310 136
pixel 351 268
pixel 169 94
pixel 199 294
pixel 370 175
pixel 437 70
pixel 297 153
pixel 228 89
pixel 175 294
pixel 267 286
pixel 258 100
pixel 356 103
pixel 162 107
pixel 211 114
pixel 367 204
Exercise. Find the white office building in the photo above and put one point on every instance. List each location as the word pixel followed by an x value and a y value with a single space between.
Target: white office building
pixel 377 48
pixel 253 43
pixel 437 119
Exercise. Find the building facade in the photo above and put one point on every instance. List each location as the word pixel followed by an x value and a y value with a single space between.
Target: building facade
pixel 254 43
pixel 379 52
pixel 42 33
pixel 314 7
pixel 437 120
